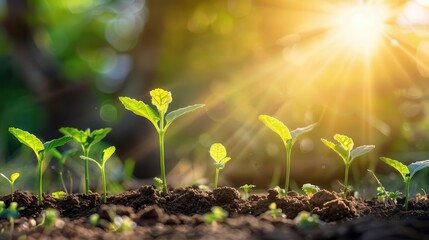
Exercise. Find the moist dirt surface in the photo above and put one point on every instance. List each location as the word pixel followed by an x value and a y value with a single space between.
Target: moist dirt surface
pixel 179 215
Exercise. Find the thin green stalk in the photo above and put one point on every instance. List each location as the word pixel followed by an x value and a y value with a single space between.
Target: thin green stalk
pixel 103 179
pixel 86 153
pixel 346 177
pixel 39 167
pixel 216 177
pixel 407 191
pixel 288 153
pixel 63 183
pixel 161 154
pixel 11 191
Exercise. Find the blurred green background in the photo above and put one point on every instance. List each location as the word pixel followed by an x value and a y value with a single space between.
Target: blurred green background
pixel 358 68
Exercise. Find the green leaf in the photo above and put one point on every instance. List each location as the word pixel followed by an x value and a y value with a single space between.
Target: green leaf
pixel 277 126
pixel 417 166
pixel 57 142
pixel 59 195
pixel 361 150
pixel 14 176
pixel 78 135
pixel 107 153
pixel 299 131
pixel 338 149
pixel 4 176
pixel 400 167
pixel 140 108
pixel 28 139
pixel 217 152
pixel 161 99
pixel 225 160
pixel 97 135
pixel 346 142
pixel 171 116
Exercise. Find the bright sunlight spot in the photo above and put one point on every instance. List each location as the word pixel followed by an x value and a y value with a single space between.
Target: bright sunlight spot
pixel 360 27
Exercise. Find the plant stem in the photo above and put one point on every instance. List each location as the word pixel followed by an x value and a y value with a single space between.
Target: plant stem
pixel 288 153
pixel 86 154
pixel 39 167
pixel 407 191
pixel 216 177
pixel 161 154
pixel 103 179
pixel 11 191
pixel 63 183
pixel 346 178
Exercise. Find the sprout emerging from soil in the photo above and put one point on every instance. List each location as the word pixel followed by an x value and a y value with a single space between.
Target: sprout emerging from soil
pixel 160 99
pixel 11 180
pixel 39 149
pixel 407 172
pixel 345 150
pixel 288 138
pixel 107 153
pixel 282 192
pixel 59 195
pixel 217 214
pixel 86 139
pixel 275 212
pixel 246 189
pixel 305 220
pixel 218 153
pixel 310 189
pixel 157 183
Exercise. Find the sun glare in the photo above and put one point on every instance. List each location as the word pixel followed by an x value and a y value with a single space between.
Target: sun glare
pixel 359 27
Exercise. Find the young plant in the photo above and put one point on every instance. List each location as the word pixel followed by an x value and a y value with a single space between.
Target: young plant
pixel 383 195
pixel 345 150
pixel 157 183
pixel 39 149
pixel 217 214
pixel 275 212
pixel 86 139
pixel 288 138
pixel 407 172
pixel 218 153
pixel 62 157
pixel 107 153
pixel 310 189
pixel 11 181
pixel 59 195
pixel 281 191
pixel 160 120
pixel 246 189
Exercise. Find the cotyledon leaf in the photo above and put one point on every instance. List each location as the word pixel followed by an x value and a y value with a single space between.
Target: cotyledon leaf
pixel 400 167
pixel 28 139
pixel 277 126
pixel 361 150
pixel 299 131
pixel 171 116
pixel 140 108
pixel 417 166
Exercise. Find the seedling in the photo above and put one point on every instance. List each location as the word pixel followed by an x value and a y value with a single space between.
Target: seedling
pixel 282 192
pixel 61 162
pixel 407 172
pixel 11 181
pixel 246 189
pixel 345 150
pixel 310 189
pixel 39 149
pixel 305 220
pixel 217 214
pixel 107 153
pixel 157 183
pixel 160 99
pixel 384 195
pixel 218 153
pixel 86 139
pixel 59 195
pixel 51 219
pixel 288 138
pixel 275 212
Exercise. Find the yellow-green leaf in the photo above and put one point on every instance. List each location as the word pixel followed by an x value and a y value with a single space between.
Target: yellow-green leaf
pixel 14 176
pixel 346 142
pixel 57 142
pixel 78 135
pixel 277 126
pixel 28 139
pixel 171 116
pixel 161 99
pixel 217 152
pixel 108 152
pixel 400 167
pixel 338 149
pixel 140 108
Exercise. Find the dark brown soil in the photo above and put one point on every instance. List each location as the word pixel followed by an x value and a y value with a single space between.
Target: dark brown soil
pixel 179 215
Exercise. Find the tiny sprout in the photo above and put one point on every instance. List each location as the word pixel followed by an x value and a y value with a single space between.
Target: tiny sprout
pixel 157 183
pixel 59 195
pixel 217 214
pixel 246 189
pixel 107 153
pixel 282 192
pixel 159 119
pixel 218 153
pixel 11 181
pixel 39 150
pixel 383 194
pixel 275 212
pixel 305 220
pixel 310 189
pixel 345 150
pixel 94 219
